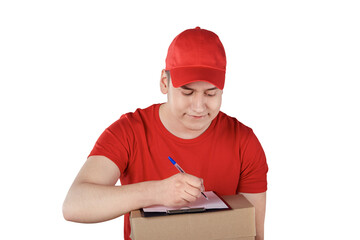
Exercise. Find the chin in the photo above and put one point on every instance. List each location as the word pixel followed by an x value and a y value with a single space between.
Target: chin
pixel 198 126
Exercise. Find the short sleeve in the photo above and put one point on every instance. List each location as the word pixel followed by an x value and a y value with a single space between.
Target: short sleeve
pixel 115 143
pixel 254 168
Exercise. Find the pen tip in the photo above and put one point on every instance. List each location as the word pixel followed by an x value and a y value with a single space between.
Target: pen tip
pixel 205 196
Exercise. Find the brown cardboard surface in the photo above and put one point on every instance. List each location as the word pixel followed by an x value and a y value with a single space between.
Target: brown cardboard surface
pixel 235 224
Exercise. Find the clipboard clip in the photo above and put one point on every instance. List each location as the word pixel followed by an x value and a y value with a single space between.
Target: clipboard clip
pixel 185 210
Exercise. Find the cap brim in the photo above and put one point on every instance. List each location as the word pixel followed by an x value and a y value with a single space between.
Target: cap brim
pixel 185 75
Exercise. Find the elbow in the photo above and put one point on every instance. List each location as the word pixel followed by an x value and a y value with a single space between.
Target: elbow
pixel 71 208
pixel 67 212
pixel 73 212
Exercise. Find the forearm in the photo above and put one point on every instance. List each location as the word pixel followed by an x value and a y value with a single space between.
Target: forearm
pixel 88 202
pixel 259 202
pixel 260 218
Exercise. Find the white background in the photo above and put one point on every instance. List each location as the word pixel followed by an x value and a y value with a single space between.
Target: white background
pixel 68 69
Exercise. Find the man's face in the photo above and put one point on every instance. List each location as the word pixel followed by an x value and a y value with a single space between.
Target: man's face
pixel 194 105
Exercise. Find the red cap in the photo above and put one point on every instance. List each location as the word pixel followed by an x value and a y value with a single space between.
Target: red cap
pixel 196 55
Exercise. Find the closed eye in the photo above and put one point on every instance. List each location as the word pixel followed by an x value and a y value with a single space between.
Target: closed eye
pixel 187 93
pixel 210 93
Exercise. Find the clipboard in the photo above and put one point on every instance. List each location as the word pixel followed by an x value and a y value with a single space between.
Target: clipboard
pixel 215 203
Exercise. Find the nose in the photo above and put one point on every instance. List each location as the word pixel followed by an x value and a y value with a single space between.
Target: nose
pixel 198 104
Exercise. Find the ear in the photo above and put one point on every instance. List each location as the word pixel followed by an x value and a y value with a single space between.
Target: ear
pixel 164 82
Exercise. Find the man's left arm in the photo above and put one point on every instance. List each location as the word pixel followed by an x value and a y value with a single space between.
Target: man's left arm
pixel 259 202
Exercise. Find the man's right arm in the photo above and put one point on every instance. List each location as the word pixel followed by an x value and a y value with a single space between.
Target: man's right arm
pixel 93 196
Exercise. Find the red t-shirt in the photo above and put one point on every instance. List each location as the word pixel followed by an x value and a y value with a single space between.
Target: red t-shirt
pixel 227 156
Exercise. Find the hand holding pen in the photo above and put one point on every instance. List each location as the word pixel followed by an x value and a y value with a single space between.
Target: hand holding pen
pixel 179 190
pixel 182 171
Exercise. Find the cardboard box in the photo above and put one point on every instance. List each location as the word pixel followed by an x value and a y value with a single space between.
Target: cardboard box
pixel 235 224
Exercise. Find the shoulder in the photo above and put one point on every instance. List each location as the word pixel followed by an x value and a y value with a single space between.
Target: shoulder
pixel 233 125
pixel 136 119
pixel 230 128
pixel 141 114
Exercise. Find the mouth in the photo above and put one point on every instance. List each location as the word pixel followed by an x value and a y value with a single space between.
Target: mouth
pixel 197 116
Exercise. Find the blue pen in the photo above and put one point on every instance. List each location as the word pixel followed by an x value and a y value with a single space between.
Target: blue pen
pixel 182 171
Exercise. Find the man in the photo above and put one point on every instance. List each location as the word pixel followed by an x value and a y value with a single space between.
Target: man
pixel 217 151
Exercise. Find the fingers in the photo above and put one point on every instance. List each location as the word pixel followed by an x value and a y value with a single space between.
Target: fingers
pixel 182 188
pixel 190 187
pixel 195 182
